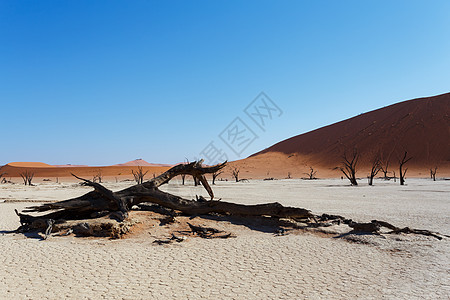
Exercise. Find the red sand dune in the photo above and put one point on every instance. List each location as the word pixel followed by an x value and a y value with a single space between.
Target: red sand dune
pixel 109 172
pixel 141 162
pixel 420 126
pixel 29 165
pixel 69 166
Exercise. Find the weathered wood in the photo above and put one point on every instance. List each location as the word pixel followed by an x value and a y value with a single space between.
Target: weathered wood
pixel 103 201
pixel 92 212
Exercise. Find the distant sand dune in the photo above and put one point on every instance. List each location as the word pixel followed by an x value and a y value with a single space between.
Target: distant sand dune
pixel 419 126
pixel 29 165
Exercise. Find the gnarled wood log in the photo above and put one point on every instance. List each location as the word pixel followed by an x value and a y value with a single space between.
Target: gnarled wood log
pixel 102 201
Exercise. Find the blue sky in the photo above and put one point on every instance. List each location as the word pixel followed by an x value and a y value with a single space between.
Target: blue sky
pixel 104 82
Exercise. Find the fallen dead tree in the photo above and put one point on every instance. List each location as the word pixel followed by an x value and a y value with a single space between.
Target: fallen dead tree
pixel 103 202
pixel 103 212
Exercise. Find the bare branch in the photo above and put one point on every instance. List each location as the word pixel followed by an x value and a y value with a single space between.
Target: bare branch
pixel 402 162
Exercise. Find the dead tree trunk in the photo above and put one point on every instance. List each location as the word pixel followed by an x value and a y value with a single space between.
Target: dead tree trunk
pixel 376 167
pixel 104 202
pixel 98 177
pixel 349 167
pixel 402 162
pixel 196 181
pixel 215 175
pixel 139 175
pixel 312 174
pixel 432 173
pixel 235 172
pixel 119 203
pixel 385 171
pixel 27 177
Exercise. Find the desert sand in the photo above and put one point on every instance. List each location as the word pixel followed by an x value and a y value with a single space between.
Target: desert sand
pixel 43 171
pixel 419 126
pixel 254 265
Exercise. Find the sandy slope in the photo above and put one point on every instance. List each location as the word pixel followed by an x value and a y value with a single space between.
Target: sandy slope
pixel 419 126
pixel 256 264
pixel 64 173
pixel 21 164
pixel 142 163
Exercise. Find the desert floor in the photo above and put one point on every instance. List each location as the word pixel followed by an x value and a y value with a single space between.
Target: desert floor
pixel 254 265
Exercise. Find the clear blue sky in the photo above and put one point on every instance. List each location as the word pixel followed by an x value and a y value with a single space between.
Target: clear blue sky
pixel 104 82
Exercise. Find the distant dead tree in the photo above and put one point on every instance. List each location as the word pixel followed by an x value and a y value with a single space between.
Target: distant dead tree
pixel 349 166
pixel 432 173
pixel 98 177
pixel 376 167
pixel 384 169
pixel 196 181
pixel 139 175
pixel 27 177
pixel 402 162
pixel 1 175
pixel 182 178
pixel 289 175
pixel 214 176
pixel 311 174
pixel 235 173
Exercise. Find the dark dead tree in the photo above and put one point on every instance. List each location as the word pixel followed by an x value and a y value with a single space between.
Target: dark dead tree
pixel 86 215
pixel 288 175
pixel 183 178
pixel 27 177
pixel 215 175
pixel 348 166
pixel 376 167
pixel 196 181
pixel 311 174
pixel 139 175
pixel 98 177
pixel 401 163
pixel 384 169
pixel 235 173
pixel 432 173
pixel 1 175
pixel 102 201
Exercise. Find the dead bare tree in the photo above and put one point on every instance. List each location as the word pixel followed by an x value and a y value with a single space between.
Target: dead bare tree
pixel 27 177
pixel 196 181
pixel 235 173
pixel 432 173
pixel 103 212
pixel 215 175
pixel 402 162
pixel 117 204
pixel 311 174
pixel 376 167
pixel 98 177
pixel 139 175
pixel 183 177
pixel 1 175
pixel 349 166
pixel 384 169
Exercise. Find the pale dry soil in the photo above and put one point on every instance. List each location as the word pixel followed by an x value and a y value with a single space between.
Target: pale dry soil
pixel 254 265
